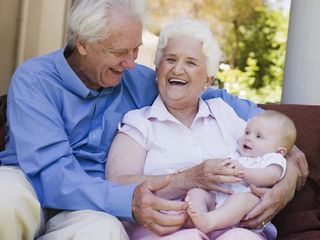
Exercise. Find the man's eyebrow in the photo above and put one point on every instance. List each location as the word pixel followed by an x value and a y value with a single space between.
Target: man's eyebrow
pixel 121 50
pixel 117 50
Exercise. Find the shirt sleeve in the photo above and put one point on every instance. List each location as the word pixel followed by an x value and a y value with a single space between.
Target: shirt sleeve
pixel 227 118
pixel 274 158
pixel 45 155
pixel 244 108
pixel 135 125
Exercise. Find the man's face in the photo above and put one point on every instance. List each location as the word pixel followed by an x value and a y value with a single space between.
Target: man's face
pixel 103 63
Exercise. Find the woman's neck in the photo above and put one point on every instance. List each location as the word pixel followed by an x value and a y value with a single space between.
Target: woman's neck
pixel 185 115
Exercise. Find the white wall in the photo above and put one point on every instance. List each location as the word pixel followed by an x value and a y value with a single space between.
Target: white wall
pixel 301 83
pixel 29 28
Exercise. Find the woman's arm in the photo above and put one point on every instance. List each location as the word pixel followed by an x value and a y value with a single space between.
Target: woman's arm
pixel 125 164
pixel 126 160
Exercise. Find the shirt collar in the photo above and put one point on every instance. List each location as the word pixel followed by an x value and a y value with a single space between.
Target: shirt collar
pixel 159 111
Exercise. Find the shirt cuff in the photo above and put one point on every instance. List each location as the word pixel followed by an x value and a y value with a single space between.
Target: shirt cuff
pixel 119 201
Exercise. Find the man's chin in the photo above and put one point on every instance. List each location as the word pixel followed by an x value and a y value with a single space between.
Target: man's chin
pixel 113 83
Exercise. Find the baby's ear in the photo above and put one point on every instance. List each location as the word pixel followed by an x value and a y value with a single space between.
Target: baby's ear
pixel 282 150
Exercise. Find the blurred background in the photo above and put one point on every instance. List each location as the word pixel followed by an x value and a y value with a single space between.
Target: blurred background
pixel 252 35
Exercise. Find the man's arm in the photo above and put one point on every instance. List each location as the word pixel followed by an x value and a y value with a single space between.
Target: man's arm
pixel 45 155
pixel 245 109
pixel 297 156
pixel 273 199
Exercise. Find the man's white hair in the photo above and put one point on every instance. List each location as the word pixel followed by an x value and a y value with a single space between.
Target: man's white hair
pixel 191 28
pixel 89 20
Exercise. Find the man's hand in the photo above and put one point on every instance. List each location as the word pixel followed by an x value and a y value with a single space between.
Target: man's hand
pixel 296 155
pixel 148 209
pixel 272 200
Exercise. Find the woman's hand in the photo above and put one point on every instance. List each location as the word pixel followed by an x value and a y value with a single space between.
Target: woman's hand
pixel 148 209
pixel 210 173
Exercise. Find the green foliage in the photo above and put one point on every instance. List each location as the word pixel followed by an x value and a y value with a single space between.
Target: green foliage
pixel 257 71
pixel 252 36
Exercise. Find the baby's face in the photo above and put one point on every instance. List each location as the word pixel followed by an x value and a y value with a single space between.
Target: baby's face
pixel 261 136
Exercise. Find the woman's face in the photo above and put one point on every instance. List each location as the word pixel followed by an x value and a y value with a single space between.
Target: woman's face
pixel 182 73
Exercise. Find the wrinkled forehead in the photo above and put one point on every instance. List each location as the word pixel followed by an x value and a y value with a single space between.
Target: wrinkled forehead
pixel 125 32
pixel 188 47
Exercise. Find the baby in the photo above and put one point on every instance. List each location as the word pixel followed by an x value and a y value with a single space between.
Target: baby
pixel 261 150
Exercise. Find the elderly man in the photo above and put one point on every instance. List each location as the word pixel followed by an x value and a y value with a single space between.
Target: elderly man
pixel 63 112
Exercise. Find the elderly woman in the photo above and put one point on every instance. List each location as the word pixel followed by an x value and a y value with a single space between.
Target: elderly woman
pixel 181 135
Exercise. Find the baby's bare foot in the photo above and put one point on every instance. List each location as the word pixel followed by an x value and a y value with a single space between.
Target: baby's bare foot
pixel 199 219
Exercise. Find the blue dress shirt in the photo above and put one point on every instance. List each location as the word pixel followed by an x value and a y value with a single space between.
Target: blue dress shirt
pixel 60 131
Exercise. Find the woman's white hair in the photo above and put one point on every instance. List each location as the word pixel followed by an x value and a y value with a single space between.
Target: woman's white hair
pixel 89 20
pixel 191 28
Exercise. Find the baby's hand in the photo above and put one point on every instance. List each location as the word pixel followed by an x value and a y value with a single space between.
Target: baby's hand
pixel 231 163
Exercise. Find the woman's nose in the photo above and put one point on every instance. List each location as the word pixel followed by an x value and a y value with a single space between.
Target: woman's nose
pixel 178 68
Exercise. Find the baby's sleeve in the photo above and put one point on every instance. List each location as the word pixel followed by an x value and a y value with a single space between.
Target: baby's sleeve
pixel 135 125
pixel 275 158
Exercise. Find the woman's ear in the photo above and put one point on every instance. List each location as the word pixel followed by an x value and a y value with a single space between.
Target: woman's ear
pixel 209 81
pixel 81 46
pixel 282 150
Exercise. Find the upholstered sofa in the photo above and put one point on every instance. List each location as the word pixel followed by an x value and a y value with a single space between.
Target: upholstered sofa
pixel 300 219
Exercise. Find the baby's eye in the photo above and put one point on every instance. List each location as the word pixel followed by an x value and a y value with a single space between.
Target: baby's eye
pixel 246 132
pixel 258 136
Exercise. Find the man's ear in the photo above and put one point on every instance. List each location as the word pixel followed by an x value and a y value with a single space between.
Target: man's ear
pixel 81 46
pixel 282 150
